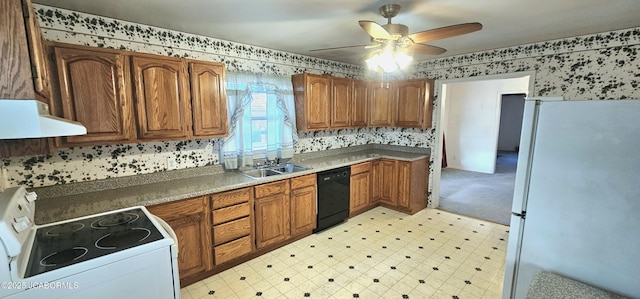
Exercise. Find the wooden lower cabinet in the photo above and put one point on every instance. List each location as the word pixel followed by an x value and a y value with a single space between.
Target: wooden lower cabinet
pixel 401 185
pixel 272 213
pixel 303 204
pixel 190 219
pixel 232 219
pixel 360 186
pixel 387 183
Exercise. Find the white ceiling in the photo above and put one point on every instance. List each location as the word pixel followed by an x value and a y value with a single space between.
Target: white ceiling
pixel 298 26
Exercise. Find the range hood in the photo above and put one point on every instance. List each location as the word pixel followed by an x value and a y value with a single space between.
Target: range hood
pixel 31 119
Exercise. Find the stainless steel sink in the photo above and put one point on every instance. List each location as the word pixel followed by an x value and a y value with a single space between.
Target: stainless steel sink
pixel 259 173
pixel 256 173
pixel 288 168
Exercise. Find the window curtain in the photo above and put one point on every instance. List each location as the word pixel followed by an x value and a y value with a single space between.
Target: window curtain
pixel 238 150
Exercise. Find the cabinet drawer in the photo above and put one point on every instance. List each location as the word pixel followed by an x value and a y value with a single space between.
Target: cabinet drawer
pixel 303 181
pixel 232 212
pixel 231 250
pixel 272 188
pixel 362 167
pixel 225 199
pixel 231 230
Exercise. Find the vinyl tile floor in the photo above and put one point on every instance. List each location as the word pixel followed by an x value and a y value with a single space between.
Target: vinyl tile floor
pixel 378 254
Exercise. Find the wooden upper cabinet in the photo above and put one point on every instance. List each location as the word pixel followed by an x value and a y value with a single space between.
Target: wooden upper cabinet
pixel 95 91
pixel 359 104
pixel 41 78
pixel 22 57
pixel 382 103
pixel 410 103
pixel 208 99
pixel 414 103
pixel 313 101
pixel 341 99
pixel 162 97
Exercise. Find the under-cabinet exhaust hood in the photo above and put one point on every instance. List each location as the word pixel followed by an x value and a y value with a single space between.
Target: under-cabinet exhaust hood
pixel 31 119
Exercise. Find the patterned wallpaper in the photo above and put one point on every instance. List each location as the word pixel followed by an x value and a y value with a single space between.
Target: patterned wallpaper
pixel 595 66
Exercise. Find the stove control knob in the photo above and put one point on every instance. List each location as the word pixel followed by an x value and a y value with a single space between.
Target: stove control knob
pixel 20 226
pixel 31 196
pixel 24 219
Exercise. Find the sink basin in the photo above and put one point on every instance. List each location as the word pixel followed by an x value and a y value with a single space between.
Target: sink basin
pixel 276 170
pixel 259 173
pixel 290 168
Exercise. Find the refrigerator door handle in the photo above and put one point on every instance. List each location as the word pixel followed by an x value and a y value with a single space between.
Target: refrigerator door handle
pixel 522 214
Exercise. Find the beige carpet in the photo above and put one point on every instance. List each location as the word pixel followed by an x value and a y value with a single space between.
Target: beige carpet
pixel 480 195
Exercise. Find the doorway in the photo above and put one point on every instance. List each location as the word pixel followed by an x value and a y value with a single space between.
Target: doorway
pixel 480 172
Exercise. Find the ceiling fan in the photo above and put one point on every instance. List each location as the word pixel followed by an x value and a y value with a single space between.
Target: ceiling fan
pixel 397 37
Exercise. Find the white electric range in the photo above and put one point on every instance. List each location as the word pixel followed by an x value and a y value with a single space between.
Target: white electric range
pixel 127 253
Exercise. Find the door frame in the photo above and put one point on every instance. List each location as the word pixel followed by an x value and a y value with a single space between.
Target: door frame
pixel 436 152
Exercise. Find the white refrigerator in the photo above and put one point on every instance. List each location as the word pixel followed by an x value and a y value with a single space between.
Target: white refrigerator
pixel 576 205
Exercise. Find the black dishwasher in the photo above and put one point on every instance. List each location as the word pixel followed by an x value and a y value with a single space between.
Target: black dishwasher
pixel 333 197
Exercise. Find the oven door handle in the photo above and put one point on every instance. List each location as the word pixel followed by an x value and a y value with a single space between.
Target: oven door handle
pixel 169 231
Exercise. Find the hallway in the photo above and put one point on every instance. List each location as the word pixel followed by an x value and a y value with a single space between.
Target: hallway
pixel 480 195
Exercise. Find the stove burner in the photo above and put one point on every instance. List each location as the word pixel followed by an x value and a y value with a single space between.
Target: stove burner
pixel 63 257
pixel 122 238
pixel 115 220
pixel 64 229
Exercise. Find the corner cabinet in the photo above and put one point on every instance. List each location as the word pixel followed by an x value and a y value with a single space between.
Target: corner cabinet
pixel 413 103
pixel 312 95
pixel 162 98
pixel 303 204
pixel 190 220
pixel 94 91
pixel 208 99
pixel 272 213
pixel 385 187
pixel 401 185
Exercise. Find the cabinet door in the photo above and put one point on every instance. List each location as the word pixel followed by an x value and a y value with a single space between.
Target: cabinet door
pixel 359 104
pixel 403 170
pixel 94 91
pixel 318 102
pixel 410 103
pixel 341 103
pixel 381 101
pixel 192 225
pixel 303 210
pixel 41 78
pixel 208 99
pixel 388 181
pixel 161 95
pixel 272 219
pixel 360 195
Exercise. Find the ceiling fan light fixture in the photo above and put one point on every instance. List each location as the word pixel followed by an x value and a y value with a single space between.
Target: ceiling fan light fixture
pixel 389 60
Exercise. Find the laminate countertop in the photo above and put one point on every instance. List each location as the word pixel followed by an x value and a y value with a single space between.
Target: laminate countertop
pixel 61 202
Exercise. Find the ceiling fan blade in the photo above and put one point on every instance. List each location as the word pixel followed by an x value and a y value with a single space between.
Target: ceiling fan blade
pixel 375 30
pixel 338 48
pixel 444 32
pixel 426 49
